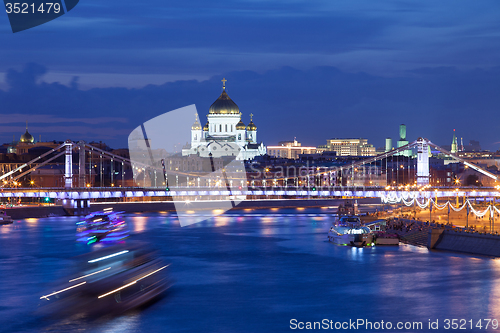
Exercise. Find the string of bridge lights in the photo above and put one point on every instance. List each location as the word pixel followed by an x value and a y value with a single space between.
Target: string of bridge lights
pixel 430 201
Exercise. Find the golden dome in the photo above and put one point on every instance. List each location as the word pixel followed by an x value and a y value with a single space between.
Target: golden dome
pixel 251 126
pixel 26 137
pixel 240 125
pixel 205 128
pixel 224 104
pixel 196 125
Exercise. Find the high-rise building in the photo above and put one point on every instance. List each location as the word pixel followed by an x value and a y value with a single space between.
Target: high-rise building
pixel 388 144
pixel 403 141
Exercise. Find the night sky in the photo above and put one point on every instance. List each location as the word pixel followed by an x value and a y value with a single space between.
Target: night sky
pixel 307 69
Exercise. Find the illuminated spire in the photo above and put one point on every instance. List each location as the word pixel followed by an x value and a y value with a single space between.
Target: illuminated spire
pixel 454 144
pixel 224 83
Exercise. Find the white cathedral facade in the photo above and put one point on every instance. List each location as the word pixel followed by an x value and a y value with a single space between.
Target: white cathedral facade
pixel 224 134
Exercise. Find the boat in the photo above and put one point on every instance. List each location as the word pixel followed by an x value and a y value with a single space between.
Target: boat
pixel 348 230
pixel 102 226
pixel 385 238
pixel 4 218
pixel 109 280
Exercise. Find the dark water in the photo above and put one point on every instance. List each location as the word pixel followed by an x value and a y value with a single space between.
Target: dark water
pixel 253 272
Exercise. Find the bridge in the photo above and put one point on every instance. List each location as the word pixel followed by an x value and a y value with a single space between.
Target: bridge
pixel 223 185
pixel 205 192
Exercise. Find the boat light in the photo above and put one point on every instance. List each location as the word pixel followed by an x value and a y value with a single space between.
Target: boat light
pixel 107 257
pixel 131 283
pixel 60 291
pixel 81 277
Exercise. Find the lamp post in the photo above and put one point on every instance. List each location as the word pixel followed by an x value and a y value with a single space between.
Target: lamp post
pixel 449 212
pixel 430 210
pixel 467 223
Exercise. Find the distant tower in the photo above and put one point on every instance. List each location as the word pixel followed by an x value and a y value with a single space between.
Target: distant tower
pixel 388 144
pixel 454 145
pixel 462 144
pixel 402 140
pixel 422 162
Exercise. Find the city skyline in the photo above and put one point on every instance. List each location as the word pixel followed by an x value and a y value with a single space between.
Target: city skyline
pixel 166 182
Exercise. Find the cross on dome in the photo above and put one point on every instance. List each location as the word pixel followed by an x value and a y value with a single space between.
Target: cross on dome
pixel 224 83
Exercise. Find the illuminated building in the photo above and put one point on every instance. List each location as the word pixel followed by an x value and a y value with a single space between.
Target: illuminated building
pixel 289 149
pixel 27 142
pixel 403 141
pixel 388 144
pixel 225 134
pixel 349 147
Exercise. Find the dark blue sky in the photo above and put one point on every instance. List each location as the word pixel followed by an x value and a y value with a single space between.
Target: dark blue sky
pixel 310 69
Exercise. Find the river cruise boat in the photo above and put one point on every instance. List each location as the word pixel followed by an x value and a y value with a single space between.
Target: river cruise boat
pixel 348 231
pixel 102 226
pixel 109 280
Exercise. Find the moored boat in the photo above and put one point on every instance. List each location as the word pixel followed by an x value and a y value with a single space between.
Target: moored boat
pixel 4 218
pixel 348 230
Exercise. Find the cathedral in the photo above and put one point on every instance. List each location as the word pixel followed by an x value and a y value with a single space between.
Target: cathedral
pixel 224 134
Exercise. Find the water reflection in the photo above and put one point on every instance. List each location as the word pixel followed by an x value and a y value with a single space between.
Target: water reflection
pixel 222 221
pixel 287 268
pixel 139 223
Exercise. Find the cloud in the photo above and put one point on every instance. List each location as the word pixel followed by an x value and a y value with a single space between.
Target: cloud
pixel 203 38
pixel 25 79
pixel 312 105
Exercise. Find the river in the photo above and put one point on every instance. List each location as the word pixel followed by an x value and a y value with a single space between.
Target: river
pixel 255 271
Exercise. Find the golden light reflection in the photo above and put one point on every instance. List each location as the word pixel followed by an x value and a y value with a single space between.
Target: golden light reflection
pixel 267 219
pixel 5 229
pixel 139 223
pixel 32 220
pixel 222 221
pixel 218 211
pixel 300 208
pixel 274 209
